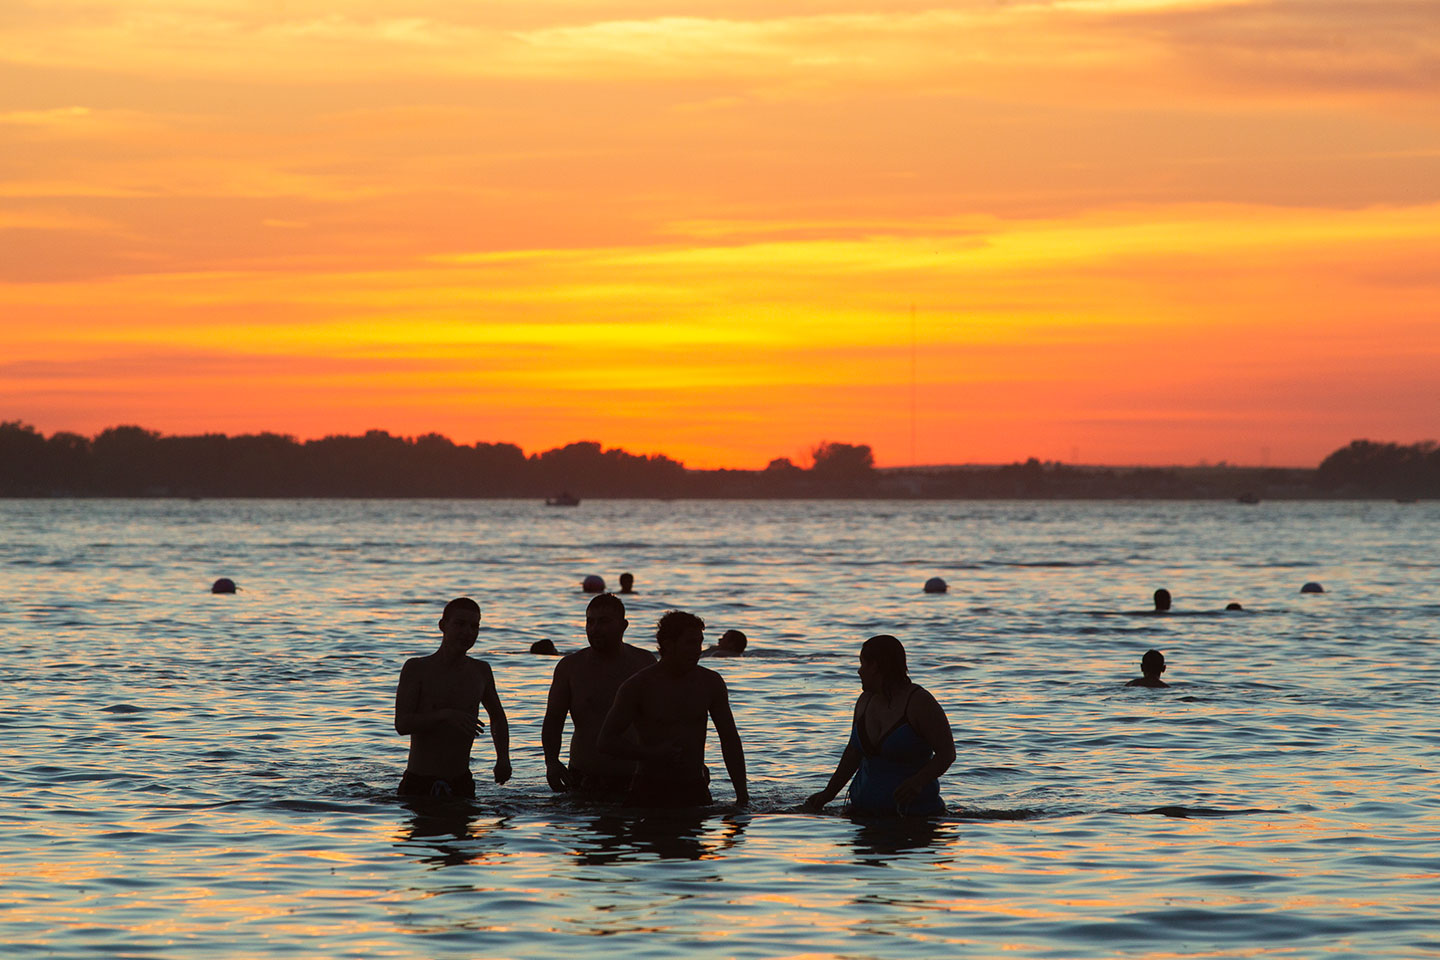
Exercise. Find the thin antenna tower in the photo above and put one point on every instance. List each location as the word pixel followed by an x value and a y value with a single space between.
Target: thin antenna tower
pixel 913 388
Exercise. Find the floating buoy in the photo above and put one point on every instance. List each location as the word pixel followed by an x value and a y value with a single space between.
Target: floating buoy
pixel 1312 587
pixel 593 584
pixel 936 585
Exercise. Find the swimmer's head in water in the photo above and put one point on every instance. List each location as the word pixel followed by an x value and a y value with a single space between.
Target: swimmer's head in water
pixel 593 583
pixel 546 647
pixel 605 622
pixel 1152 664
pixel 733 640
pixel 223 585
pixel 460 622
pixel 882 663
pixel 677 632
pixel 1162 599
pixel 1233 606
pixel 627 582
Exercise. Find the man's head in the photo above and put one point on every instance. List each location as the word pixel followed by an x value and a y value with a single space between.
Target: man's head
pixel 1162 599
pixel 733 641
pixel 605 622
pixel 460 623
pixel 1152 664
pixel 680 635
pixel 627 583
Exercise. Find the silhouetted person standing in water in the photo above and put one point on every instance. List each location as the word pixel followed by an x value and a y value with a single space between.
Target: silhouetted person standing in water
pixel 1162 600
pixel 1151 665
pixel 900 740
pixel 584 687
pixel 670 705
pixel 437 705
pixel 627 583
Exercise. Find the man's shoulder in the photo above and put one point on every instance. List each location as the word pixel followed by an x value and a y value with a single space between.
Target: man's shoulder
pixel 643 677
pixel 710 678
pixel 418 664
pixel 470 666
pixel 638 654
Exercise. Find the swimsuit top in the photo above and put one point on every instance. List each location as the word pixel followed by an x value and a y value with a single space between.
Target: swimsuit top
pixel 901 745
pixel 899 755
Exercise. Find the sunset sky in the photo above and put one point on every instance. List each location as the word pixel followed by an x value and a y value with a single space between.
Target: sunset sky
pixel 1099 231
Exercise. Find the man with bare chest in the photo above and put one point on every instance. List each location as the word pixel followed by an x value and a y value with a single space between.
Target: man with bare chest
pixel 584 687
pixel 670 706
pixel 437 705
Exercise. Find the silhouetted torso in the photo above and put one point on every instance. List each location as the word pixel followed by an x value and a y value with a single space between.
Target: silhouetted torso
pixel 439 683
pixel 589 679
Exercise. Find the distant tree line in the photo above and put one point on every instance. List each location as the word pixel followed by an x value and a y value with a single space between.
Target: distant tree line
pixel 1367 468
pixel 130 461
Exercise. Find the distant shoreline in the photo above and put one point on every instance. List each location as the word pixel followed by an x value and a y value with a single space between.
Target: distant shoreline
pixel 134 462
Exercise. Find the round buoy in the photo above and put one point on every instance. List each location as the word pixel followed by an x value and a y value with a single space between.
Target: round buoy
pixel 936 585
pixel 223 585
pixel 593 584
pixel 1312 587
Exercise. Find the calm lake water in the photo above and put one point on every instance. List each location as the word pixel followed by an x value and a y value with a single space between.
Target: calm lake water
pixel 199 776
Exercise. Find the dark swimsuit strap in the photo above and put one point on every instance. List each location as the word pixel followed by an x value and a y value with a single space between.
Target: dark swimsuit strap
pixel 865 745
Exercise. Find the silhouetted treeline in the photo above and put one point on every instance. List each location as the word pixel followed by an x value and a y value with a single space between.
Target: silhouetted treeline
pixel 134 462
pixel 1367 468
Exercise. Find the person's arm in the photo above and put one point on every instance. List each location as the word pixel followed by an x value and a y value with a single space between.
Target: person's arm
pixel 557 707
pixel 844 770
pixel 410 719
pixel 499 726
pixel 612 739
pixel 622 716
pixel 730 747
pixel 929 720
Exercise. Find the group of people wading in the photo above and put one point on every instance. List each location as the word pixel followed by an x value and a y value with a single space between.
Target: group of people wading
pixel 640 724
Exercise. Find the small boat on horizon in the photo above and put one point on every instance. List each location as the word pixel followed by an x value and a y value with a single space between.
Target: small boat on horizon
pixel 566 499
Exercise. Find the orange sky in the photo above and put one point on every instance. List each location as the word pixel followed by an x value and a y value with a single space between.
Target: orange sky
pixel 1131 231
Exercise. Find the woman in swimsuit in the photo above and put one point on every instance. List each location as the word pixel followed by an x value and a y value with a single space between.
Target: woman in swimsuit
pixel 900 741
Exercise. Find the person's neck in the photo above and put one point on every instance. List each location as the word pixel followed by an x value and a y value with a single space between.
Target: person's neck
pixel 451 654
pixel 891 692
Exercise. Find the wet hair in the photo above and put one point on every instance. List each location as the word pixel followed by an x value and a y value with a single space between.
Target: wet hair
pixel 674 623
pixel 545 647
pixel 1153 663
pixel 606 601
pixel 459 603
pixel 888 654
pixel 733 640
pixel 1162 599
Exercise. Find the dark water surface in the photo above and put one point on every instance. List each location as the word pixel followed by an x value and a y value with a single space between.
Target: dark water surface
pixel 188 775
